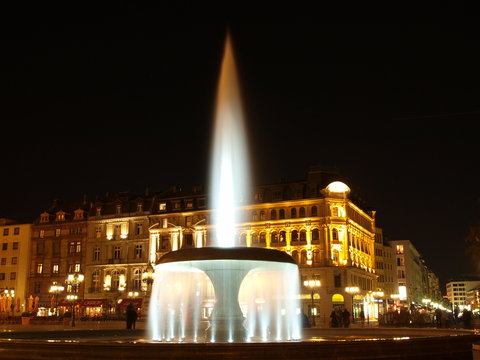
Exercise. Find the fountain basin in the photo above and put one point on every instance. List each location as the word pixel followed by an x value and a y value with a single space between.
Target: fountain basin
pixel 255 295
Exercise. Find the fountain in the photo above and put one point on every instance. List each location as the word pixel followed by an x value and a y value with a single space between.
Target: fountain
pixel 226 293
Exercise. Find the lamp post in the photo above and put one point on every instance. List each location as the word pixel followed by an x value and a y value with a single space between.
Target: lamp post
pixel 73 285
pixel 312 284
pixel 352 290
pixel 148 276
pixel 10 295
pixel 56 289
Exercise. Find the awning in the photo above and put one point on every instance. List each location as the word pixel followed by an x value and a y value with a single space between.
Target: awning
pixel 136 302
pixel 93 302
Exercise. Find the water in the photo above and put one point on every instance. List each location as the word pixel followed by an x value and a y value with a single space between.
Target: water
pixel 250 296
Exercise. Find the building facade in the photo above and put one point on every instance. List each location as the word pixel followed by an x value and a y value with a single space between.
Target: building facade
pixel 385 266
pixel 58 248
pixel 14 255
pixel 461 291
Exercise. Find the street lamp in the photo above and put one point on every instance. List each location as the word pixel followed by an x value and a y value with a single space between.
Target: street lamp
pixel 148 276
pixel 73 282
pixel 56 289
pixel 312 284
pixel 10 295
pixel 352 290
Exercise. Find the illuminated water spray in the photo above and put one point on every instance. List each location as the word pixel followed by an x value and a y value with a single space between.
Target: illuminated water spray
pixel 226 293
pixel 229 173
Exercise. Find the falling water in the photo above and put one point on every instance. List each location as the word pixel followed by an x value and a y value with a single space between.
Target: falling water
pixel 229 173
pixel 252 296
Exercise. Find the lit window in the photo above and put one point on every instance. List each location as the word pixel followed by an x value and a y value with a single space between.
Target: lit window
pixel 162 206
pixel 42 234
pixel 58 232
pixel 400 249
pixel 39 268
pixel 77 267
pixel 78 247
pixel 78 214
pixel 55 268
pixel 189 204
pixel 60 216
pixel 98 232
pixel 96 254
pixel 138 251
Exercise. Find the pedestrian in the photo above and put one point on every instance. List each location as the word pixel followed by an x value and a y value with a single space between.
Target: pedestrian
pixel 305 321
pixel 334 319
pixel 362 317
pixel 346 318
pixel 438 317
pixel 131 316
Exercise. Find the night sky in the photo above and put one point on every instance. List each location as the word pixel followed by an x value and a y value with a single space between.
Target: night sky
pixel 107 100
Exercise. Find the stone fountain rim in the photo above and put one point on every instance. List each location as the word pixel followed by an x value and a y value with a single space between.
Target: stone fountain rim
pixel 232 253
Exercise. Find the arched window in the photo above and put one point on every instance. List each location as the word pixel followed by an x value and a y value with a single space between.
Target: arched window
pixel 262 215
pixel 137 280
pixel 263 238
pixel 281 214
pixel 283 237
pixel 334 234
pixel 316 256
pixel 294 235
pixel 275 239
pixel 295 256
pixel 314 211
pixel 273 214
pixel 301 212
pixel 303 257
pixel 254 216
pixel 293 213
pixel 315 235
pixel 303 235
pixel 254 239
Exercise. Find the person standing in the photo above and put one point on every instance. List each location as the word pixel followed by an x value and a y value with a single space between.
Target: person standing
pixel 346 318
pixel 131 316
pixel 362 317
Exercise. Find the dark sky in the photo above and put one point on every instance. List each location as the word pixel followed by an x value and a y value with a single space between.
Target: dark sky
pixel 106 100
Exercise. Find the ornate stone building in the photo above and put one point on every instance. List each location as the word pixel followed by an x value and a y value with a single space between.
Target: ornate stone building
pixel 117 252
pixel 58 248
pixel 316 221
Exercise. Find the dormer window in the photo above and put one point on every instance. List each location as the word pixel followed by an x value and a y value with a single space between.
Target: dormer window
pixel 139 207
pixel 118 209
pixel 45 217
pixel 78 214
pixel 60 216
pixel 99 211
pixel 162 206
pixel 189 204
